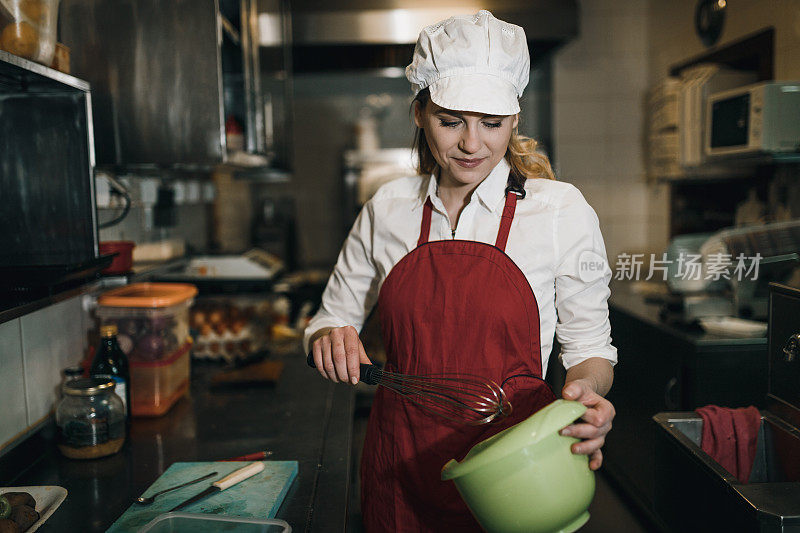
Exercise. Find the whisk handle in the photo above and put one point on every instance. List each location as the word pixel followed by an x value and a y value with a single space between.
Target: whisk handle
pixel 370 374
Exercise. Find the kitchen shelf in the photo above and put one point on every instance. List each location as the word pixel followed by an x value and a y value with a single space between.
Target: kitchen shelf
pixel 20 75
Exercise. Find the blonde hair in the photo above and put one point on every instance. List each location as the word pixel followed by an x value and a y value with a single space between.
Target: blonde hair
pixel 523 158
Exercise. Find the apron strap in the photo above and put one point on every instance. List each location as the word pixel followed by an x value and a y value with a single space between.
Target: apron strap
pixel 505 220
pixel 425 229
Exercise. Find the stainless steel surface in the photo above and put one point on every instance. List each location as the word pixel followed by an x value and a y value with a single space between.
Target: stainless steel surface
pixel 396 22
pixel 783 394
pixel 147 500
pixel 791 348
pixel 770 499
pixel 777 447
pixel 686 476
pixel 154 68
pixel 41 77
pixel 273 80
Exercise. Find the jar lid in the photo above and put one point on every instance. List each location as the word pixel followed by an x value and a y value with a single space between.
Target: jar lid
pixel 151 295
pixel 88 386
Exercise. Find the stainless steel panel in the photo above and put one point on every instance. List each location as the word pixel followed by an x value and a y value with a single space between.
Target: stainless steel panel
pixel 784 353
pixel 47 199
pixel 395 22
pixel 155 72
pixel 687 477
pixel 274 82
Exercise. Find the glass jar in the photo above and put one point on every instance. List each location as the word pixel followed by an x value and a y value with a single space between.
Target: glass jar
pixel 28 28
pixel 90 419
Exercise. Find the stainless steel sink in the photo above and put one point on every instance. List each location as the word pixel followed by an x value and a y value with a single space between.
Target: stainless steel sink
pixel 694 493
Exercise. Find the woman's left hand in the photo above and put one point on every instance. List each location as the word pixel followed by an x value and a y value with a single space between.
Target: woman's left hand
pixel 593 425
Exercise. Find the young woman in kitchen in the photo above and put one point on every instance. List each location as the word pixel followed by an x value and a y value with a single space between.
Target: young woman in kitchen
pixel 474 265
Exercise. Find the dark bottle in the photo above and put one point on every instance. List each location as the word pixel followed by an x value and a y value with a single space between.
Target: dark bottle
pixel 111 362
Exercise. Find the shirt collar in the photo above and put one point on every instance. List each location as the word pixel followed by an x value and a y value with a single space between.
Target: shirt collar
pixel 490 192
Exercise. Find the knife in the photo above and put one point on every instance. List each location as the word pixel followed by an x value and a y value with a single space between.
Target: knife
pixel 228 481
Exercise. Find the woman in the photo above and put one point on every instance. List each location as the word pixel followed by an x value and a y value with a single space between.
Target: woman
pixel 473 265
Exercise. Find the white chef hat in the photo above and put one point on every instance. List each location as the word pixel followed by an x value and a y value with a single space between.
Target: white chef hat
pixel 472 63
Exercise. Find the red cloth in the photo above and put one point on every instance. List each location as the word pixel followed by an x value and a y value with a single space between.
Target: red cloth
pixel 446 307
pixel 729 437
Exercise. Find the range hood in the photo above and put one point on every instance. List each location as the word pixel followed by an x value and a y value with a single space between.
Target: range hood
pixel 374 34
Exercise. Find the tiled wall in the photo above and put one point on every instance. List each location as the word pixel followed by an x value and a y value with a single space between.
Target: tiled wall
pixel 599 81
pixel 34 349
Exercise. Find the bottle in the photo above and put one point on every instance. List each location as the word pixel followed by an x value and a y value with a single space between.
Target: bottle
pixel 110 362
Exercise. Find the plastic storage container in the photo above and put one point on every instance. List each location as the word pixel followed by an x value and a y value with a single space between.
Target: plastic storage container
pixel 202 523
pixel 123 261
pixel 28 28
pixel 157 385
pixel 152 318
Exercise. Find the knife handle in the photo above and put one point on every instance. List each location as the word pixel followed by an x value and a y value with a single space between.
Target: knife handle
pixel 240 475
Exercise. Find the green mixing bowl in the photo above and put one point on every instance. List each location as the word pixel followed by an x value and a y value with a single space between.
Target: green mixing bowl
pixel 526 478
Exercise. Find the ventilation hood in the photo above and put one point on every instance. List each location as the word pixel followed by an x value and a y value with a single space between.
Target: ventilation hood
pixel 357 34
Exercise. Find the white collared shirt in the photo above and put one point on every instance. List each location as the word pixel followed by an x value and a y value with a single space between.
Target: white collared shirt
pixel 554 239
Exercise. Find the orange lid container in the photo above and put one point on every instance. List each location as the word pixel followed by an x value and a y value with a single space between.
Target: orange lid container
pixel 148 295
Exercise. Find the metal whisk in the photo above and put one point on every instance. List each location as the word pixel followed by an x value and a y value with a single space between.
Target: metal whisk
pixel 458 397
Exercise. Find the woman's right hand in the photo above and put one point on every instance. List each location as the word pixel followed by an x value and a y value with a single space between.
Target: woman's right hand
pixel 338 354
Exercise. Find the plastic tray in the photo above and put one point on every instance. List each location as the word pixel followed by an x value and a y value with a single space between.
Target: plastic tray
pixel 202 523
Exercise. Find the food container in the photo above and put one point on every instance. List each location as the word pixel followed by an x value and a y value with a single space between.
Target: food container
pixel 193 522
pixel 28 28
pixel 526 478
pixel 90 419
pixel 229 327
pixel 152 318
pixel 157 385
pixel 123 261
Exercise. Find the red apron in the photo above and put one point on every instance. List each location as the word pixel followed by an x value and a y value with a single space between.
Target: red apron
pixel 447 307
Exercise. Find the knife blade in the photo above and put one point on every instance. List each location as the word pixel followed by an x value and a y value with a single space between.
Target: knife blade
pixel 228 481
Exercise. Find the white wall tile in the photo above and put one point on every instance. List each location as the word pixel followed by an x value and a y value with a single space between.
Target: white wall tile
pixel 52 339
pixel 13 408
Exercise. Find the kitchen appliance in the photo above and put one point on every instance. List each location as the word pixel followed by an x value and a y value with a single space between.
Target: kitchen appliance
pixel 769 253
pixel 47 203
pixel 687 478
pixel 526 478
pixel 696 84
pixel 759 118
pixel 457 397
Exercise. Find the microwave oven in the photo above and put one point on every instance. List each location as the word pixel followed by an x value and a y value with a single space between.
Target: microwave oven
pixel 759 118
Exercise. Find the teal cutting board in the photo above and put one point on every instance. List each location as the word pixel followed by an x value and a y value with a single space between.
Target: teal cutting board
pixel 257 497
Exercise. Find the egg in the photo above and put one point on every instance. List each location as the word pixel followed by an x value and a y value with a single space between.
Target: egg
pixel 215 316
pixel 198 319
